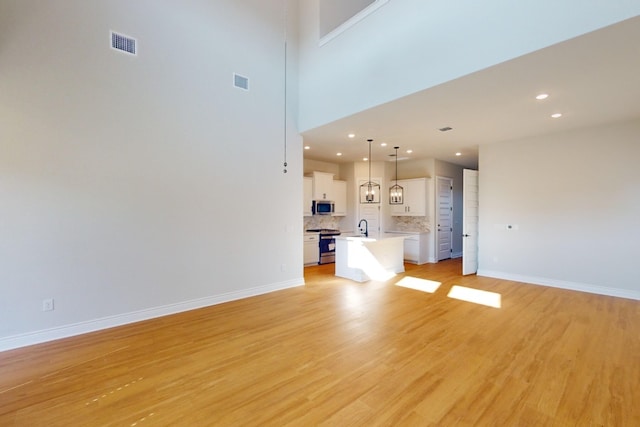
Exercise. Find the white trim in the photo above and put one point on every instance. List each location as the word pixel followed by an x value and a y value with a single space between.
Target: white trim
pixel 563 284
pixel 66 331
pixel 456 255
pixel 351 21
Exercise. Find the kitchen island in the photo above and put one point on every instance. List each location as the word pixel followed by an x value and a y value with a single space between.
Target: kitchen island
pixel 378 256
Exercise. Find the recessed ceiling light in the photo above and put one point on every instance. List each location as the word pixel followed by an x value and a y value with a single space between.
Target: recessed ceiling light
pixel 364 159
pixel 458 154
pixel 384 144
pixel 306 147
pixel 409 151
pixel 542 96
pixel 338 154
pixel 556 115
pixel 352 135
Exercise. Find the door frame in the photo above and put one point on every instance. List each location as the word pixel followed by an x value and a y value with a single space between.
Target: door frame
pixel 470 220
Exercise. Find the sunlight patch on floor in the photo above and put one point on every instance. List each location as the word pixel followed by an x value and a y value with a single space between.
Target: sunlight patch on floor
pixel 490 299
pixel 418 284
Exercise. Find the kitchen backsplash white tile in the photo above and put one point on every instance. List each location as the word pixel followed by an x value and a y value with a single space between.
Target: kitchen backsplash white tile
pixel 410 223
pixel 322 221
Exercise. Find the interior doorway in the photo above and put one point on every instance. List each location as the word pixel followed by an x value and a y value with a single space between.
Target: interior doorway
pixel 444 217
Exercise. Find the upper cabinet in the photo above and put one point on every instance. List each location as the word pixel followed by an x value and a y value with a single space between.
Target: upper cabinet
pixel 307 198
pixel 415 198
pixel 322 186
pixel 339 193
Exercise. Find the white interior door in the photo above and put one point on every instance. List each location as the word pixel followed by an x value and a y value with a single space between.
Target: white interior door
pixel 444 219
pixel 470 222
pixel 369 211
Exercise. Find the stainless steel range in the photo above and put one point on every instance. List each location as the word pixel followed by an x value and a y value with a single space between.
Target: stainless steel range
pixel 327 244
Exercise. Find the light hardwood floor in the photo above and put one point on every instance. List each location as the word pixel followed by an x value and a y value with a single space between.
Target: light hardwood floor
pixel 341 353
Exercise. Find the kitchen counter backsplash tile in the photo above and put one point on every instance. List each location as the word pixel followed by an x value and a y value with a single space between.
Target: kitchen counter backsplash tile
pixel 322 221
pixel 410 223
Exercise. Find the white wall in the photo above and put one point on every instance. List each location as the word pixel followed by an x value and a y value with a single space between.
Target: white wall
pixel 311 166
pixel 574 198
pixel 131 187
pixel 410 45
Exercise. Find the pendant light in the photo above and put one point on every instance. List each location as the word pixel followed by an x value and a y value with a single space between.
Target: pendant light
pixel 396 192
pixel 370 187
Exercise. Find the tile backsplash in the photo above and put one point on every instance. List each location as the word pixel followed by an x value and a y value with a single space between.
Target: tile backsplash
pixel 398 223
pixel 410 223
pixel 322 221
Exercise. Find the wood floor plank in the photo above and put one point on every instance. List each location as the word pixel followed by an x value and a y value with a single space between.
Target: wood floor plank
pixel 336 352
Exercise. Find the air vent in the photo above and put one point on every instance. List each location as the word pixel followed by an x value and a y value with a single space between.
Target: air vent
pixel 123 43
pixel 240 82
pixel 446 129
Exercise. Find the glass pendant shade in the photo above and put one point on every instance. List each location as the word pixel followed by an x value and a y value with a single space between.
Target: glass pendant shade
pixel 396 192
pixel 369 189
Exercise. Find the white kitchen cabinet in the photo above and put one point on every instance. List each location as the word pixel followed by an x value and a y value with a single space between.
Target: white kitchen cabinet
pixel 307 198
pixel 311 249
pixel 416 248
pixel 415 198
pixel 322 186
pixel 339 193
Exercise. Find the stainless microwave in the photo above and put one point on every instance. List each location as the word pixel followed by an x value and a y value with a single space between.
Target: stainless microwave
pixel 323 207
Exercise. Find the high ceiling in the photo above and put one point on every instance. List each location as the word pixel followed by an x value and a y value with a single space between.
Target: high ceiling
pixel 592 79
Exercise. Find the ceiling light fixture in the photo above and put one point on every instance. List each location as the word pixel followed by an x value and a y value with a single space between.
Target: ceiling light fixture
pixel 445 129
pixel 352 135
pixel 369 187
pixel 338 154
pixel 396 192
pixel 384 144
pixel 542 96
pixel 556 115
pixel 306 147
pixel 409 151
pixel 458 154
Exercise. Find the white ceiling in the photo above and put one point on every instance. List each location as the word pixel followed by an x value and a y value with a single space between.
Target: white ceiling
pixel 592 79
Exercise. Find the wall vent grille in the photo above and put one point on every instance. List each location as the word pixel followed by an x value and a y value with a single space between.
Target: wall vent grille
pixel 123 43
pixel 240 82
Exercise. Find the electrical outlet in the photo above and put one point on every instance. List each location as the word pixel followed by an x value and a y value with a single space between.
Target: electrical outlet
pixel 47 304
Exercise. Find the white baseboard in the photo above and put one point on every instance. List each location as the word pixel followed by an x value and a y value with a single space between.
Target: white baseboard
pixel 37 337
pixel 562 284
pixel 456 255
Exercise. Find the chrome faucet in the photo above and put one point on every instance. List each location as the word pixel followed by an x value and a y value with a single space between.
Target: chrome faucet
pixel 366 227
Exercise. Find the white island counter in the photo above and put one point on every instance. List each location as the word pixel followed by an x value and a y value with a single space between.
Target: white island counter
pixel 378 256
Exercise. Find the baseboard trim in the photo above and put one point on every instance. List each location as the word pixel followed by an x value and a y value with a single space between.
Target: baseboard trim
pixel 38 337
pixel 562 284
pixel 456 255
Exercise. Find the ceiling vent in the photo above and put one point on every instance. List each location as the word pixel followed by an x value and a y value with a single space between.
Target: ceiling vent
pixel 240 82
pixel 123 43
pixel 445 129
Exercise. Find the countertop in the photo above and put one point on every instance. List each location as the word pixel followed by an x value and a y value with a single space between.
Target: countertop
pixel 374 237
pixel 407 232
